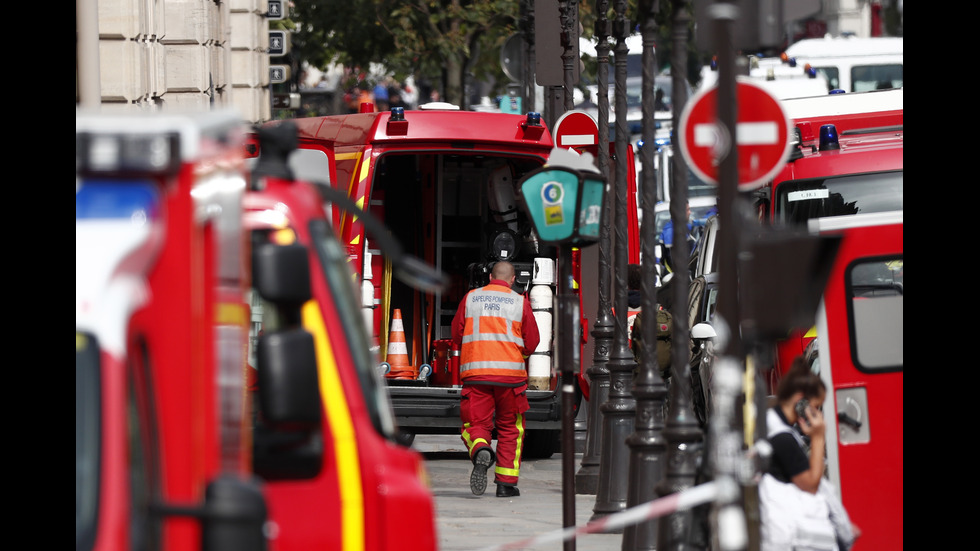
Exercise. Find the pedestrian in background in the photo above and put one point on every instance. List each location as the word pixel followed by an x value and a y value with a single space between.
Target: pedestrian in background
pixel 495 331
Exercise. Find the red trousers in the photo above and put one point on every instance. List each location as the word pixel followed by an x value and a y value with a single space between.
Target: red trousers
pixel 485 407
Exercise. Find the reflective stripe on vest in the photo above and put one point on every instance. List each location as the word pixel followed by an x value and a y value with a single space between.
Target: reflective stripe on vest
pixel 492 338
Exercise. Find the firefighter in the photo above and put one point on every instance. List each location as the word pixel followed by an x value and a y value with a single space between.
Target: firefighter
pixel 495 332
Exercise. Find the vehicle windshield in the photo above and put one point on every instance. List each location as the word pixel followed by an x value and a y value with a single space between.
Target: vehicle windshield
pixel 696 187
pixel 634 93
pixel 699 215
pixel 876 77
pixel 339 279
pixel 832 74
pixel 87 444
pixel 797 201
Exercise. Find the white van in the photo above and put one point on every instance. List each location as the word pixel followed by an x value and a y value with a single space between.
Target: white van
pixel 781 80
pixel 853 64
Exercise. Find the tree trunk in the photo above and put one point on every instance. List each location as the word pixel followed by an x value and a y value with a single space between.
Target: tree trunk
pixel 454 81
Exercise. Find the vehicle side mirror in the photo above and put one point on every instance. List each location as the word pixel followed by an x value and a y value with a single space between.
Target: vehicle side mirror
pixel 281 273
pixel 287 444
pixel 289 388
pixel 703 331
pixel 234 516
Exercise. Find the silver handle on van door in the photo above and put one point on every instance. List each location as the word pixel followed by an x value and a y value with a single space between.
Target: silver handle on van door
pixel 849 421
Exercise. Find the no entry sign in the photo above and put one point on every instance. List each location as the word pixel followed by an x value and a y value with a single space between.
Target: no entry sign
pixel 577 130
pixel 761 135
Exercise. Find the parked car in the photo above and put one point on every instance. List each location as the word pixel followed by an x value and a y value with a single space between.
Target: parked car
pixel 702 300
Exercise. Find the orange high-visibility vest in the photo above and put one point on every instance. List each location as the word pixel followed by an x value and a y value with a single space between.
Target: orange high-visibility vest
pixel 492 338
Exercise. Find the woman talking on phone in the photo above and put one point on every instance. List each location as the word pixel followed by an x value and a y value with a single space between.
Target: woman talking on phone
pixel 799 507
pixel 800 399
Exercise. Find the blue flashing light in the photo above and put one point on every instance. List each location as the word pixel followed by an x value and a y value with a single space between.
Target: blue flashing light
pixel 123 199
pixel 837 91
pixel 792 62
pixel 533 118
pixel 829 139
pixel 811 72
pixel 397 114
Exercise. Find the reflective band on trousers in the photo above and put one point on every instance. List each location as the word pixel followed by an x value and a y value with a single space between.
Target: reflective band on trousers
pixel 492 341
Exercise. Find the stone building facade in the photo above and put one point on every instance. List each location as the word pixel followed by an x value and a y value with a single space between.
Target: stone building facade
pixel 174 54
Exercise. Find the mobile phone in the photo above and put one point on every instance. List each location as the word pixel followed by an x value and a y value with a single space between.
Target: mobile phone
pixel 801 407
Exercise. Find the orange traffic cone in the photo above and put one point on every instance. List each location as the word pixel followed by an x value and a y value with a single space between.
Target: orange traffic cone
pixel 397 356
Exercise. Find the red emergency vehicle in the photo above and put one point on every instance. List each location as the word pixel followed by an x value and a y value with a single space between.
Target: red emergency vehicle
pixel 860 343
pixel 849 159
pixel 162 428
pixel 444 182
pixel 348 486
pixel 846 178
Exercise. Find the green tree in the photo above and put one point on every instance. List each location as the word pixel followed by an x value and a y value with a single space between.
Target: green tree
pixel 443 41
pixel 439 39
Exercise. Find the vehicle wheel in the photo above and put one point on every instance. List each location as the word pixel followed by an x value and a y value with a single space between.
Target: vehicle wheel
pixel 405 438
pixel 541 444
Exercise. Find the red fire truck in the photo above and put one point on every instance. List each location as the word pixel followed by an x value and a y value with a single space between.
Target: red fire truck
pixel 860 343
pixel 444 182
pixel 162 428
pixel 846 178
pixel 849 160
pixel 168 438
pixel 344 482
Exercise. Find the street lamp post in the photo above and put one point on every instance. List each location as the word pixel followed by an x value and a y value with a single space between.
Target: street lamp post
pixel 647 445
pixel 683 433
pixel 587 479
pixel 564 200
pixel 618 411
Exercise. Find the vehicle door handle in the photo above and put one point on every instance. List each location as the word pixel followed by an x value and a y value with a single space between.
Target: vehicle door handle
pixel 849 421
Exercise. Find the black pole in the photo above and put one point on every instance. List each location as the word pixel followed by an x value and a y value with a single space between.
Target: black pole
pixel 646 468
pixel 618 411
pixel 725 431
pixel 568 309
pixel 568 11
pixel 570 330
pixel 587 479
pixel 683 433
pixel 527 85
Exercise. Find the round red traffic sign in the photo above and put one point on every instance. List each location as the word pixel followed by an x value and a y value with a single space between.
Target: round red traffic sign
pixel 761 135
pixel 577 130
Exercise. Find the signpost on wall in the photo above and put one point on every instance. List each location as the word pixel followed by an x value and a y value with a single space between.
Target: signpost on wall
pixel 276 10
pixel 278 43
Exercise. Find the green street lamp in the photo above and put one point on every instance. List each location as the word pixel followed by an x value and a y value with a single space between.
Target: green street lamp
pixel 564 203
pixel 564 199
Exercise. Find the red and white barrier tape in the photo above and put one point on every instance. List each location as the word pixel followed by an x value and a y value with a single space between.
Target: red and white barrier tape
pixel 666 505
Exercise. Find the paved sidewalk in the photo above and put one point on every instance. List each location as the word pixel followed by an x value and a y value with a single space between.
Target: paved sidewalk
pixel 467 522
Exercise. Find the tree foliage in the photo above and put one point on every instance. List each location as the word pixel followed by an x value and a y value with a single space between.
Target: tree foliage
pixel 439 39
pixel 443 41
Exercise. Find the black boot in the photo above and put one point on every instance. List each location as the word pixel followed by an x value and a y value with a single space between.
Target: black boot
pixel 507 491
pixel 481 464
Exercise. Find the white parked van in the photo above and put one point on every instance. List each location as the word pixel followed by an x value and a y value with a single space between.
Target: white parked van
pixel 853 64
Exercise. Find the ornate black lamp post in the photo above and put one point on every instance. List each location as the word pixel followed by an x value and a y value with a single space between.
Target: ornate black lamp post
pixel 683 433
pixel 618 410
pixel 646 443
pixel 587 478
